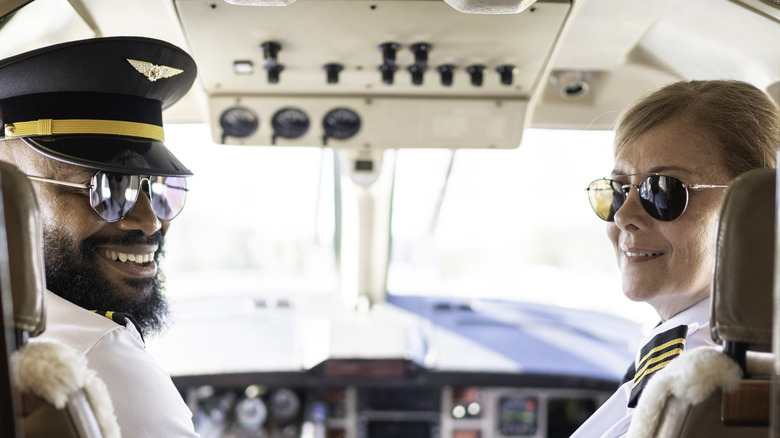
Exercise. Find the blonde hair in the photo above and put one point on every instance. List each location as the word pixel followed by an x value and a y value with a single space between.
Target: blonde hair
pixel 742 120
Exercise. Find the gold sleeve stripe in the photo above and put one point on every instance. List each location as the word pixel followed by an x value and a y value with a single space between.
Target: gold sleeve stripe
pixel 84 126
pixel 680 341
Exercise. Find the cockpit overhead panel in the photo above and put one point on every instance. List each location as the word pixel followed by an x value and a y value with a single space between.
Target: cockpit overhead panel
pixel 415 73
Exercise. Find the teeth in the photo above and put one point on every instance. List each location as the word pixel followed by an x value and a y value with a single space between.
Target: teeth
pixel 122 257
pixel 642 254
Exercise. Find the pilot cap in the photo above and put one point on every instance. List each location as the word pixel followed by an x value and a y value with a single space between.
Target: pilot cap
pixel 97 103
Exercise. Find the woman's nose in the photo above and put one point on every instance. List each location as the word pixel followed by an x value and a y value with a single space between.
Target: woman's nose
pixel 631 213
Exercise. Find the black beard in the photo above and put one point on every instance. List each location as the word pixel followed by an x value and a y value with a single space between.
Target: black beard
pixel 71 273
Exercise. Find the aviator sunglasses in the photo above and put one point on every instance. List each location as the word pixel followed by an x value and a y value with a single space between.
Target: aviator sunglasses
pixel 113 195
pixel 663 197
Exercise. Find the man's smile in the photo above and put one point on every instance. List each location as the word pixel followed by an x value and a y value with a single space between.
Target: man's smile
pixel 124 257
pixel 135 261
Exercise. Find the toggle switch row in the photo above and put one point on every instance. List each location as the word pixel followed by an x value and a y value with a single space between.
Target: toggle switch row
pixel 387 69
pixel 447 73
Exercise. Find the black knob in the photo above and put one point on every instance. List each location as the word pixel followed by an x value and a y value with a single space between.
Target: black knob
pixel 388 52
pixel 420 51
pixel 388 71
pixel 270 50
pixel 476 72
pixel 445 71
pixel 333 71
pixel 273 72
pixel 417 73
pixel 506 72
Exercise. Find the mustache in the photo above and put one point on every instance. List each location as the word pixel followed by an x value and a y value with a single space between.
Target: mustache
pixel 134 237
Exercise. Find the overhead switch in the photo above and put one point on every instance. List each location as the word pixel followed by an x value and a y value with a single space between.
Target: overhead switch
pixel 417 74
pixel 273 72
pixel 270 50
pixel 388 52
pixel 477 75
pixel 388 67
pixel 506 72
pixel 388 73
pixel 272 66
pixel 421 51
pixel 332 72
pixel 446 72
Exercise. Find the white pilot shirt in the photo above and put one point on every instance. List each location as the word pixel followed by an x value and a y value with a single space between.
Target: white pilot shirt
pixel 612 419
pixel 146 402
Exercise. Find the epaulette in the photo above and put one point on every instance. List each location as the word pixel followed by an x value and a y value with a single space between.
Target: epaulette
pixel 120 318
pixel 655 355
pixel 631 371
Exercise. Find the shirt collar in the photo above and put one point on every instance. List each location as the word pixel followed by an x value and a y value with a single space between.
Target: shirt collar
pixel 695 317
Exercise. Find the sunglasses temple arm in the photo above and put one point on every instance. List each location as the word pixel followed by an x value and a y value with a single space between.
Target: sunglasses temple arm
pixel 706 186
pixel 62 183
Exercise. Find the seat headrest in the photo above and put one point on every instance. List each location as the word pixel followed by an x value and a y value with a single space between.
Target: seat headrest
pixel 742 286
pixel 25 247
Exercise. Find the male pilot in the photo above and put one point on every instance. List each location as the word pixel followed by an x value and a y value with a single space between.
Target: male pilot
pixel 84 121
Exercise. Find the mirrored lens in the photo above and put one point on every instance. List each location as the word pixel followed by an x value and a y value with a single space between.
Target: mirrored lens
pixel 168 196
pixel 113 195
pixel 604 198
pixel 663 197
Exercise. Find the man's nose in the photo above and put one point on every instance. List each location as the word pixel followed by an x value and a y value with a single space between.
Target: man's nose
pixel 142 216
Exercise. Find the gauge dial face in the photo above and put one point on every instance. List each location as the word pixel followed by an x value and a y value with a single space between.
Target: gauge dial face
pixel 284 405
pixel 238 122
pixel 290 123
pixel 251 413
pixel 341 123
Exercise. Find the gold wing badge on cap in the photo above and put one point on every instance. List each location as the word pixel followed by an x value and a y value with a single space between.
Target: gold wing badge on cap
pixel 152 71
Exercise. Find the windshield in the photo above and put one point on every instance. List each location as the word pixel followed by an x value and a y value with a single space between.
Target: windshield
pixel 482 224
pixel 257 220
pixel 507 224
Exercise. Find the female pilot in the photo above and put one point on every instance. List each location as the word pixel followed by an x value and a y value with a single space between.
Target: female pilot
pixel 675 152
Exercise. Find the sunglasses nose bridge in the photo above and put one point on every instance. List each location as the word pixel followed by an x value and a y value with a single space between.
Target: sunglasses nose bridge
pixel 145 180
pixel 626 189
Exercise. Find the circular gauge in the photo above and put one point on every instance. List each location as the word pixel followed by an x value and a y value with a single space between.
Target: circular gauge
pixel 290 123
pixel 251 413
pixel 238 122
pixel 284 405
pixel 341 123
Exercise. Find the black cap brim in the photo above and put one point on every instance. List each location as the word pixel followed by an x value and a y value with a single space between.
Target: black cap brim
pixel 111 153
pixel 98 102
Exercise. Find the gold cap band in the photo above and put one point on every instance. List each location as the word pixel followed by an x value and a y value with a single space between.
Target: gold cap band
pixel 84 126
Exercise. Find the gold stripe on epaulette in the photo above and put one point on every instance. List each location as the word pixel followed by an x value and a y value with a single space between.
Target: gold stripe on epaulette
pixel 84 126
pixel 645 371
pixel 659 358
pixel 661 347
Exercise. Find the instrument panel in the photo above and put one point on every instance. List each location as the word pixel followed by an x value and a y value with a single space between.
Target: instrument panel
pixel 370 404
